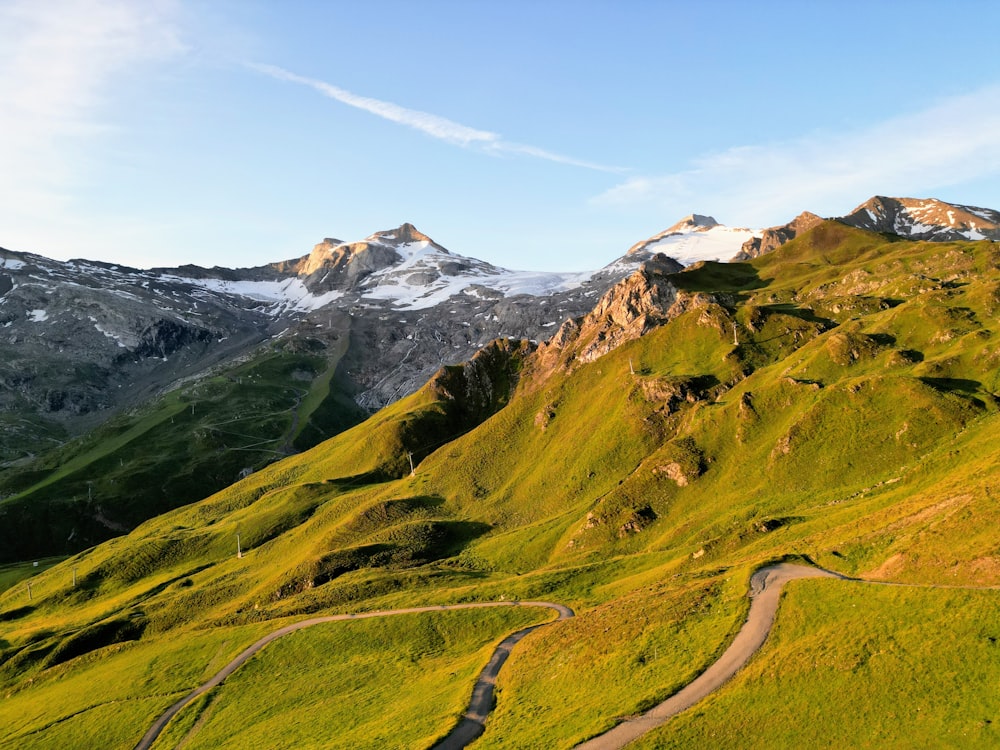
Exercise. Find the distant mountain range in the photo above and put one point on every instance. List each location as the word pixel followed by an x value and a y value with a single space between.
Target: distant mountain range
pixel 336 334
pixel 82 339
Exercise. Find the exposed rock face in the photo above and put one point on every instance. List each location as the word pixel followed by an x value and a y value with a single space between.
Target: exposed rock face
pixel 673 471
pixel 336 265
pixel 925 219
pixel 775 237
pixel 78 340
pixel 632 307
pixel 484 384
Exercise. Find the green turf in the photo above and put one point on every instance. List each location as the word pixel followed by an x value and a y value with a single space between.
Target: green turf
pixel 853 665
pixel 393 682
pixel 851 424
pixel 14 573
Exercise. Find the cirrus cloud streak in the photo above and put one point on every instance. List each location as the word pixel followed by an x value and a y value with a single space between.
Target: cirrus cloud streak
pixel 435 126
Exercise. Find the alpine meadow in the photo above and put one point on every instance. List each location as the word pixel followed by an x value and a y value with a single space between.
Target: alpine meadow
pixel 654 436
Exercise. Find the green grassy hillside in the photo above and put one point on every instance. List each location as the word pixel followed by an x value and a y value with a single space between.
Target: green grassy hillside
pixel 851 423
pixel 176 449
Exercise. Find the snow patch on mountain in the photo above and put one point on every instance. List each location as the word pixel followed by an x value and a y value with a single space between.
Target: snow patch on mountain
pixel 925 219
pixel 696 238
pixel 428 276
pixel 281 296
pixel 117 338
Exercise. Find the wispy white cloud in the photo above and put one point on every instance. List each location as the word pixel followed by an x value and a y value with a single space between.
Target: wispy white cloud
pixel 57 59
pixel 430 124
pixel 954 141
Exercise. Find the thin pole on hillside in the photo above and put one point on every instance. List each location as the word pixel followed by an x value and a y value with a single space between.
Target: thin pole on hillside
pixel 74 577
pixel 736 341
pixel 630 368
pixel 239 549
pixel 412 470
pixel 29 591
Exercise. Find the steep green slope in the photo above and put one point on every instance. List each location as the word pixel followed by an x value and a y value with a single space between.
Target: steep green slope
pixel 172 451
pixel 833 401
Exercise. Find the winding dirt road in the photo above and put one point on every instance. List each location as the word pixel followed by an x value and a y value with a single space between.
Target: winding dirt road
pixel 471 725
pixel 765 592
pixel 474 720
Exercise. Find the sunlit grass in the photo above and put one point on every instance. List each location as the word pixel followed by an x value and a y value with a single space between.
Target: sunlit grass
pixel 856 665
pixel 853 424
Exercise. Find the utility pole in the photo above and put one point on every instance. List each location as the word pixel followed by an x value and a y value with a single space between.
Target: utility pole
pixel 74 577
pixel 412 470
pixel 239 549
pixel 630 368
pixel 736 341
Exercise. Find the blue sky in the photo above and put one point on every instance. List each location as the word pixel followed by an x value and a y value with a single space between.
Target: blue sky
pixel 536 135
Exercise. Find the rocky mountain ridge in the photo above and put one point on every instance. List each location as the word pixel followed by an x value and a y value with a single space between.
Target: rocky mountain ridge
pixel 774 237
pixel 83 339
pixel 927 219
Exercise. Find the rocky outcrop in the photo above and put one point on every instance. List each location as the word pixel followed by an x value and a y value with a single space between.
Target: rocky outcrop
pixel 344 266
pixel 478 388
pixel 774 237
pixel 629 309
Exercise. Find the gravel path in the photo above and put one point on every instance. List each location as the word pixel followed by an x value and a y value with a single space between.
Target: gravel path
pixel 474 720
pixel 471 725
pixel 765 592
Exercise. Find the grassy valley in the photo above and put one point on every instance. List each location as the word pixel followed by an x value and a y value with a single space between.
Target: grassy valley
pixel 834 401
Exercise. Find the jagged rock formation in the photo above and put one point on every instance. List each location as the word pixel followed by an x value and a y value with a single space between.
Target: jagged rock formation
pixel 481 386
pixel 632 307
pixel 775 237
pixel 345 266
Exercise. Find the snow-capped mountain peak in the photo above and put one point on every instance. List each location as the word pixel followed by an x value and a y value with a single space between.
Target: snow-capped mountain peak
pixel 925 219
pixel 693 223
pixel 694 238
pixel 404 234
